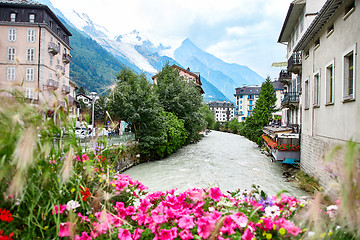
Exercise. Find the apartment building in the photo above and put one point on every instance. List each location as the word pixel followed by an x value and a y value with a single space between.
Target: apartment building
pixel 247 96
pixel 300 15
pixel 35 54
pixel 223 110
pixel 330 77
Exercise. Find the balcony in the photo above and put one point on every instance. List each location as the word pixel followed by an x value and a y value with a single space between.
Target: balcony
pixel 66 58
pixel 53 48
pixel 285 77
pixel 290 99
pixel 61 69
pixel 65 89
pixel 53 84
pixel 295 62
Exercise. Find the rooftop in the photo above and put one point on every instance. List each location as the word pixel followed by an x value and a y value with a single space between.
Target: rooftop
pixel 221 104
pixel 248 90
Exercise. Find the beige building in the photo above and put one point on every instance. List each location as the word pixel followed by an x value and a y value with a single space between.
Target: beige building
pixel 328 68
pixel 35 54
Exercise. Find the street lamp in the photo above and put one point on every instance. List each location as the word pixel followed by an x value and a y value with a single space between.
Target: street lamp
pixel 93 97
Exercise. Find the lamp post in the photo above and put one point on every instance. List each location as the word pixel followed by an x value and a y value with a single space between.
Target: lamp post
pixel 93 97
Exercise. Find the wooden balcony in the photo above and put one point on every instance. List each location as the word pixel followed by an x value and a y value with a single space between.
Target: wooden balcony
pixel 66 58
pixel 53 48
pixel 53 84
pixel 291 99
pixel 295 63
pixel 285 77
pixel 65 89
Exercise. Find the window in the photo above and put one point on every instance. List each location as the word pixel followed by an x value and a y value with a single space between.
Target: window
pixel 330 30
pixel 349 74
pixel 349 10
pixel 51 59
pixel 11 53
pixel 330 83
pixel 12 35
pixel 29 93
pixel 307 95
pixel 30 74
pixel 240 107
pixel 10 73
pixel 13 17
pixel 32 18
pixel 30 54
pixel 31 35
pixel 316 89
pixel 317 43
pixel 250 108
pixel 306 54
pixel 240 101
pixel 251 102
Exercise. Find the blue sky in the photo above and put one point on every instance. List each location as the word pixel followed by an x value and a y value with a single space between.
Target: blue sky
pixel 237 31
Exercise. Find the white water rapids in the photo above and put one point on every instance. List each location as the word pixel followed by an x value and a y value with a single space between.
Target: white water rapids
pixel 225 160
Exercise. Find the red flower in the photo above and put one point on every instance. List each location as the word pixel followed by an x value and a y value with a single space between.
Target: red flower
pixel 101 158
pixel 4 237
pixel 86 193
pixel 5 215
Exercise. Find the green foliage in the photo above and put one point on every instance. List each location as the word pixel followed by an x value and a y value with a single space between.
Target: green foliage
pixel 208 116
pixel 181 98
pixel 100 109
pixel 217 126
pixel 234 125
pixel 264 106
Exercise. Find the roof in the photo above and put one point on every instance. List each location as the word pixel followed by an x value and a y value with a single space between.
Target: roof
pixel 250 90
pixel 325 13
pixel 292 16
pixel 32 4
pixel 221 104
pixel 277 85
pixel 195 75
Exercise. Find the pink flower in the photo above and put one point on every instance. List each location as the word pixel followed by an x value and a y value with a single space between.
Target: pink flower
pixel 186 235
pixel 196 194
pixel 168 234
pixel 205 226
pixel 247 235
pixel 59 209
pixel 186 222
pixel 64 229
pixel 240 219
pixel 288 226
pixel 124 234
pixel 137 233
pixel 215 194
pixel 228 226
pixel 83 218
pixel 84 236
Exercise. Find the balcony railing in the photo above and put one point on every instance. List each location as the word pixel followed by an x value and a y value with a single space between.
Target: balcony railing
pixel 60 69
pixel 53 84
pixel 66 58
pixel 290 99
pixel 284 76
pixel 66 89
pixel 295 62
pixel 53 48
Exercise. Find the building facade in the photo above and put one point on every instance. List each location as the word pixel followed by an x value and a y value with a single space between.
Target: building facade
pixel 35 53
pixel 223 110
pixel 247 96
pixel 330 78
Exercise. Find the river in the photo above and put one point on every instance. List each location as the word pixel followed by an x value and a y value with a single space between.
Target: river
pixel 220 159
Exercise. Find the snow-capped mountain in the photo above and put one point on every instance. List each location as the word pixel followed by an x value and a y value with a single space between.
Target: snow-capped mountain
pixel 144 54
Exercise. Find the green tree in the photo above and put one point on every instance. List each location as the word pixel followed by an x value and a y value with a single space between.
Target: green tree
pixel 100 109
pixel 264 106
pixel 181 98
pixel 208 116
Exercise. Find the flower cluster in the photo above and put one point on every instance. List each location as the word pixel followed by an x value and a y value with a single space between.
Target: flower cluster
pixel 5 216
pixel 194 214
pixel 287 147
pixel 271 143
